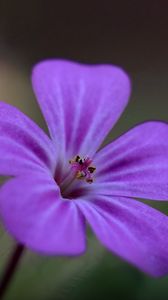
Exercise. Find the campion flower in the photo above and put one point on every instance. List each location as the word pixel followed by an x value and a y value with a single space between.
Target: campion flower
pixel 60 183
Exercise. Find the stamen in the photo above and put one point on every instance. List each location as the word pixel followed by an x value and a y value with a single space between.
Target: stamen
pixel 82 168
pixel 91 169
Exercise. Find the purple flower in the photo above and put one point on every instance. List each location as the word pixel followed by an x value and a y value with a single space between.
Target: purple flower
pixel 60 183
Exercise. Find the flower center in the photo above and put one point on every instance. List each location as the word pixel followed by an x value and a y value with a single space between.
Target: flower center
pixel 82 168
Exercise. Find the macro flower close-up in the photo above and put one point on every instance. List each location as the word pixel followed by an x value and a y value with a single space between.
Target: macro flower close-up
pixel 62 182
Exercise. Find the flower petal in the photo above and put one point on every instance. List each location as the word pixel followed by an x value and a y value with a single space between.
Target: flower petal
pixel 80 103
pixel 132 230
pixel 136 164
pixel 34 213
pixel 23 145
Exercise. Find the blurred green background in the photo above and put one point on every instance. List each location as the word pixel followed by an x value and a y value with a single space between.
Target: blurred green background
pixel 131 34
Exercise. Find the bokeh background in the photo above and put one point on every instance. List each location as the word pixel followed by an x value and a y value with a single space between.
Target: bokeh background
pixel 132 34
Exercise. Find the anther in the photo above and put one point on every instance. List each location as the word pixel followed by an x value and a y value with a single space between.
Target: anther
pixel 82 168
pixel 91 169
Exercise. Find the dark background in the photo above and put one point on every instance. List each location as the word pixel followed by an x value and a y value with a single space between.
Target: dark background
pixel 132 34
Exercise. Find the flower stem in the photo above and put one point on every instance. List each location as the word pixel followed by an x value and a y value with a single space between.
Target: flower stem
pixel 10 269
